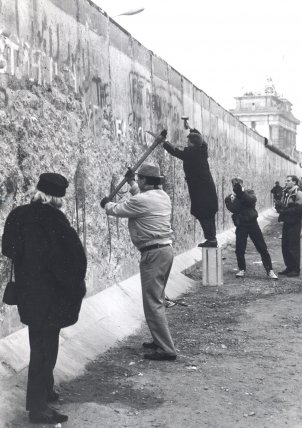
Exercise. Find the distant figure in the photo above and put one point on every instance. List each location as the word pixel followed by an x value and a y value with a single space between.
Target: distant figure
pixel 202 190
pixel 149 212
pixel 241 203
pixel 277 192
pixel 50 265
pixel 290 213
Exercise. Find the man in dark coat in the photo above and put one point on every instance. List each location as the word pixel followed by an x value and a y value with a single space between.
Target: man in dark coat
pixel 241 203
pixel 202 190
pixel 50 266
pixel 290 213
pixel 276 191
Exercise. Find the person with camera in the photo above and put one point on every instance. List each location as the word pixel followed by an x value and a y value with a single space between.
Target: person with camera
pixel 241 203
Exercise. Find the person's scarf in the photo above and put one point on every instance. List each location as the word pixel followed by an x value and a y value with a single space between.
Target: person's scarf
pixel 289 193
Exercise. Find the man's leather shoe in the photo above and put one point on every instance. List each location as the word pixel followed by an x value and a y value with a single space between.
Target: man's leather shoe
pixel 293 274
pixel 283 272
pixel 47 416
pixel 150 345
pixel 160 356
pixel 208 244
pixel 53 396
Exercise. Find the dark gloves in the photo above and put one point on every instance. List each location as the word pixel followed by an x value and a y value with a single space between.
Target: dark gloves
pixel 130 175
pixel 104 201
pixel 237 189
pixel 161 138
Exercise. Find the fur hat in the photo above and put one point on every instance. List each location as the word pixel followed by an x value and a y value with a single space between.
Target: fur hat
pixel 52 184
pixel 195 137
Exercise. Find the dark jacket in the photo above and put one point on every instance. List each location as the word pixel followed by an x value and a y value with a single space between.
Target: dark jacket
pixel 242 207
pixel 49 264
pixel 277 192
pixel 290 206
pixel 202 190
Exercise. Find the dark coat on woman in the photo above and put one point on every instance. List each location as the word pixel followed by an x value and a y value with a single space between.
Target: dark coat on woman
pixel 202 190
pixel 49 264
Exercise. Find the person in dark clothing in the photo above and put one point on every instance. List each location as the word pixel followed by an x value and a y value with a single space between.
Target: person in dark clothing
pixel 202 190
pixel 50 266
pixel 241 203
pixel 290 213
pixel 276 191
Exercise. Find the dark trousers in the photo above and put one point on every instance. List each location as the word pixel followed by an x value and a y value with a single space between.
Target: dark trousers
pixel 209 228
pixel 291 246
pixel 252 230
pixel 44 346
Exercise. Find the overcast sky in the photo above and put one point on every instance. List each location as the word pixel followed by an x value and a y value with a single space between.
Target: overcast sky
pixel 225 47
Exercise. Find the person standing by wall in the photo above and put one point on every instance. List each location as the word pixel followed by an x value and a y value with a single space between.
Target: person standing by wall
pixel 50 266
pixel 276 191
pixel 241 203
pixel 290 213
pixel 202 190
pixel 149 214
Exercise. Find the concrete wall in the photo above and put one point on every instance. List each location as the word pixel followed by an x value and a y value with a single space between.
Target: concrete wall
pixel 76 95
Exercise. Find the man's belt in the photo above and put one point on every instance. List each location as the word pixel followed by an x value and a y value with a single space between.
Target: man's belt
pixel 153 247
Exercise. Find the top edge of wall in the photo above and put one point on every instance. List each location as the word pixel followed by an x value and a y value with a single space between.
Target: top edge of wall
pixel 153 56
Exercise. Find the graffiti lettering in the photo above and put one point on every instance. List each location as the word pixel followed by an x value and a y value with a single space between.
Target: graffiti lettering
pixel 120 128
pixel 7 55
pixel 102 92
pixel 3 98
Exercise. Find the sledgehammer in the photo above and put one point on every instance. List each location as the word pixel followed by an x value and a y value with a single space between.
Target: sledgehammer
pixel 161 137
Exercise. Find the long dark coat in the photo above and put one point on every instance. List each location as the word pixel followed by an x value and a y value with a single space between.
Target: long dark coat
pixel 202 190
pixel 49 263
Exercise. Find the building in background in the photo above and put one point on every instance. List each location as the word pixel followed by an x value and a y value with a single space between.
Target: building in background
pixel 271 116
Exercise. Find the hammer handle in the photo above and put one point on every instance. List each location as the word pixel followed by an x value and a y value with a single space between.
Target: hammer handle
pixel 138 163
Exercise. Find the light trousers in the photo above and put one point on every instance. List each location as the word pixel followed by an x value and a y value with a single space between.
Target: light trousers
pixel 155 266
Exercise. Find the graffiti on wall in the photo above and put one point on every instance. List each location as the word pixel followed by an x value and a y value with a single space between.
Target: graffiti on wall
pixel 39 61
pixel 40 58
pixel 150 100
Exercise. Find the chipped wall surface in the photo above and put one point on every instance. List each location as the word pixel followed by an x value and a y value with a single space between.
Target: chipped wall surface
pixel 77 94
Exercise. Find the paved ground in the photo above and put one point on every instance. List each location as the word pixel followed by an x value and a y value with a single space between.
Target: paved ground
pixel 239 363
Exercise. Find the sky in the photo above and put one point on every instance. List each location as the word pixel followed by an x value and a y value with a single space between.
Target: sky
pixel 225 48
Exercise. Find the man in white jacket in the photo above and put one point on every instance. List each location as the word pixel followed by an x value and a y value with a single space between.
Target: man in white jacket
pixel 149 213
